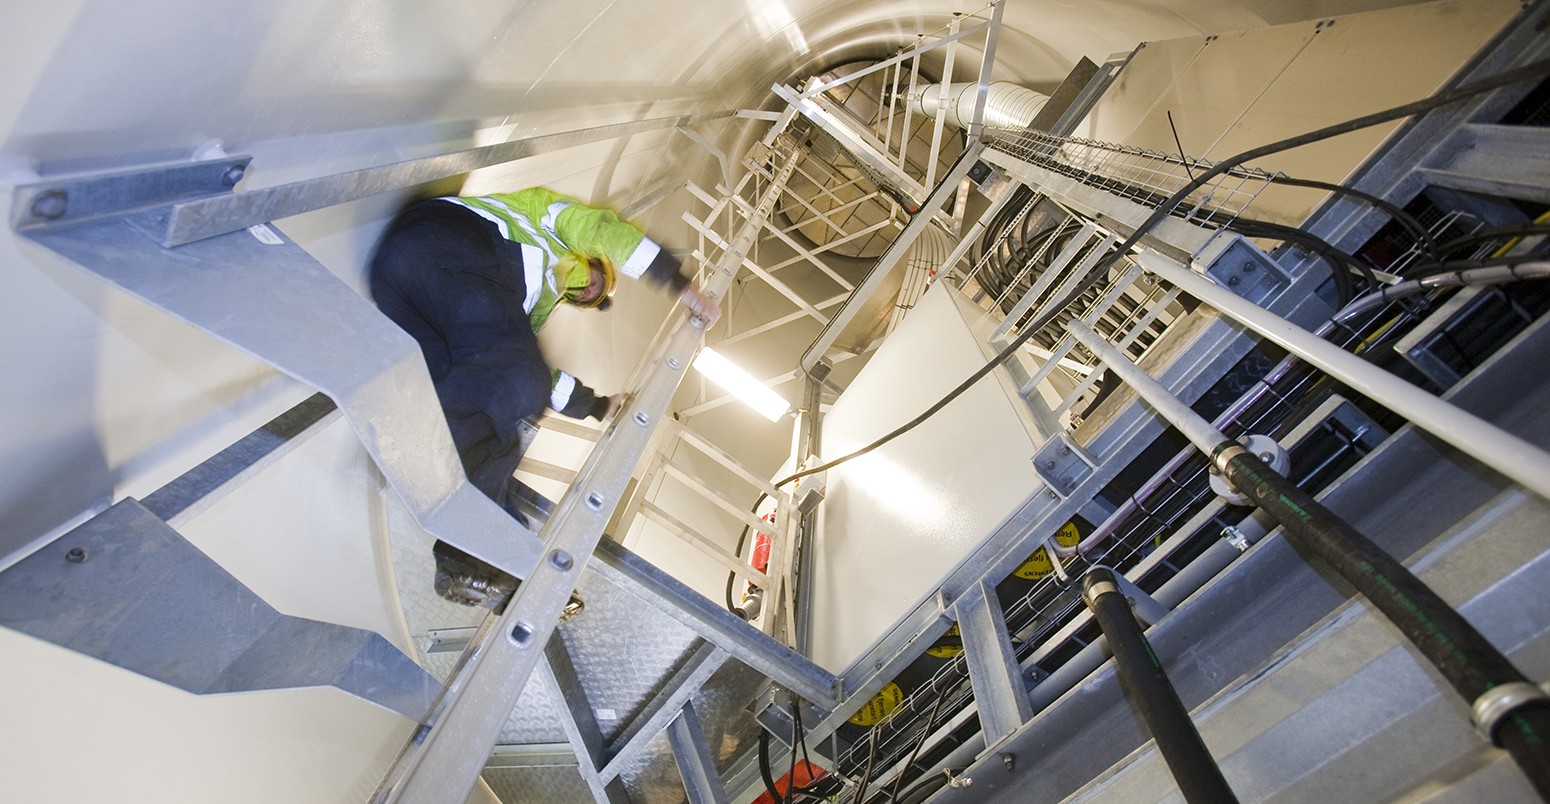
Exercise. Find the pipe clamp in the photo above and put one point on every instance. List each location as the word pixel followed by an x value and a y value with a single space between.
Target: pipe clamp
pixel 1495 704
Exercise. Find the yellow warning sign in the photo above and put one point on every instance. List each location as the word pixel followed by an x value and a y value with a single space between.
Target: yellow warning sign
pixel 949 646
pixel 1039 564
pixel 880 707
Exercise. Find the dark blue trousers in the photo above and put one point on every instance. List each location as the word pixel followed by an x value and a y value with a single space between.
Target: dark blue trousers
pixel 457 287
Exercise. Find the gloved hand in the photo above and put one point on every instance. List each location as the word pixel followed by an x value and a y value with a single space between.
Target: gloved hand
pixel 616 403
pixel 697 302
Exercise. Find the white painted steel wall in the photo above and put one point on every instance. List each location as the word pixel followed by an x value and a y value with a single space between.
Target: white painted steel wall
pixel 896 520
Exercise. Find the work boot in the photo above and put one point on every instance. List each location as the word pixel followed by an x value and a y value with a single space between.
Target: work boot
pixel 467 581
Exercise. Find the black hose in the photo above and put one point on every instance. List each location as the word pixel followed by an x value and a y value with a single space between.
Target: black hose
pixel 1535 70
pixel 1471 664
pixel 742 541
pixel 764 768
pixel 1147 686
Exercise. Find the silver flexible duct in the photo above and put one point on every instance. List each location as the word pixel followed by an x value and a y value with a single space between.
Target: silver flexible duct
pixel 1007 105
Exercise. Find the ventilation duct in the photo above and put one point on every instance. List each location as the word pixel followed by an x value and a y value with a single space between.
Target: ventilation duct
pixel 1007 105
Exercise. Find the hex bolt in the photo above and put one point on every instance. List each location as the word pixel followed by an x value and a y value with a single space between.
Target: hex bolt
pixel 233 175
pixel 561 560
pixel 50 205
pixel 641 418
pixel 1248 267
pixel 595 501
pixel 522 633
pixel 1232 281
pixel 697 321
pixel 1009 762
pixel 76 555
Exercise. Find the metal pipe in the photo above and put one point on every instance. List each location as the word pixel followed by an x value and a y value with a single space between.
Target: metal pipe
pixel 1502 451
pixel 1146 684
pixel 1507 710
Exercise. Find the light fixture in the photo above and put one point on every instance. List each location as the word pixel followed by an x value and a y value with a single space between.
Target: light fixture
pixel 740 384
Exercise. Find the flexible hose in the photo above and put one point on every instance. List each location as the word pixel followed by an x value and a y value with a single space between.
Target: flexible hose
pixel 1471 664
pixel 1141 675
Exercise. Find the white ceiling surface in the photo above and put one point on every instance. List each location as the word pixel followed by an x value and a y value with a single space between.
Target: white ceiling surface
pixel 106 397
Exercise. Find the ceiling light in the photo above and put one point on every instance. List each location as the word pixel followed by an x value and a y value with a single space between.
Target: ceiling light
pixel 741 384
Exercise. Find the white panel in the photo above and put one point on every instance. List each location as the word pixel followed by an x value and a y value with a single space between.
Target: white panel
pixel 77 729
pixel 896 520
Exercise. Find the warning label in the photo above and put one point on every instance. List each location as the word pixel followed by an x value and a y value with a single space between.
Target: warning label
pixel 1039 564
pixel 880 707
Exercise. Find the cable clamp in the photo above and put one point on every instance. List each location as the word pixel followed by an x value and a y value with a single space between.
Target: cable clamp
pixel 1497 703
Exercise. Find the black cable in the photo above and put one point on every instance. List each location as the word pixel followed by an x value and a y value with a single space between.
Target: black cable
pixel 742 541
pixel 1183 157
pixel 764 767
pixel 1339 261
pixel 866 773
pixel 1394 211
pixel 922 784
pixel 1534 70
pixel 925 733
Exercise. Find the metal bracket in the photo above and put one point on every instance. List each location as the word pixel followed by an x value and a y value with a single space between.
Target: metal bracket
pixel 84 197
pixel 1242 268
pixel 1063 465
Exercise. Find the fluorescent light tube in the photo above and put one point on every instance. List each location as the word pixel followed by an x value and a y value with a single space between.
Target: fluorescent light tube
pixel 741 384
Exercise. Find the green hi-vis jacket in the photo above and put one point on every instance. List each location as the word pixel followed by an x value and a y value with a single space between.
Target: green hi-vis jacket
pixel 557 234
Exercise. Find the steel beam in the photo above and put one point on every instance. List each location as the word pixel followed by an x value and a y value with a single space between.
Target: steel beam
pixel 195 220
pixel 677 692
pixel 581 727
pixel 999 691
pixel 1507 161
pixel 695 763
pixel 716 625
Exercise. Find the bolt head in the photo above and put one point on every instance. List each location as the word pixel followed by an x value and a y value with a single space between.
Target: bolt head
pixel 1233 281
pixel 672 363
pixel 50 205
pixel 595 501
pixel 561 560
pixel 642 419
pixel 76 555
pixel 522 633
pixel 233 175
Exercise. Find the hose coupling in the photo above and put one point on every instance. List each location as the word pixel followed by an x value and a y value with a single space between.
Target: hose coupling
pixel 1098 581
pixel 1224 455
pixel 1497 703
